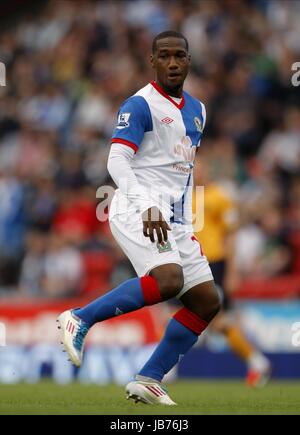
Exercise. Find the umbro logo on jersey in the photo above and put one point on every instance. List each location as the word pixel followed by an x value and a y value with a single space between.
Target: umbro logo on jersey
pixel 167 120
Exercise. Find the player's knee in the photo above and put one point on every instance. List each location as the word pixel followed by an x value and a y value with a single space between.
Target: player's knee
pixel 215 303
pixel 170 281
pixel 169 278
pixel 171 285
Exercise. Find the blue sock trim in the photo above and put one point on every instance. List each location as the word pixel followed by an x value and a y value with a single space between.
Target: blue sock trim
pixel 176 342
pixel 127 297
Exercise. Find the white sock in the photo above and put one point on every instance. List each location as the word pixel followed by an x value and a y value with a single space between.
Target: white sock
pixel 258 361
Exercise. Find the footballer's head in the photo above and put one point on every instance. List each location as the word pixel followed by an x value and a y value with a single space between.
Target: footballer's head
pixel 171 60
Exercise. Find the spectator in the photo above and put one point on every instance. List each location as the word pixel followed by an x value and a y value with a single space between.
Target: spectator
pixel 63 269
pixel 33 265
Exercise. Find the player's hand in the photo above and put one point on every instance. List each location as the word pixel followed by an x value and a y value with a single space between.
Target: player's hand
pixel 154 221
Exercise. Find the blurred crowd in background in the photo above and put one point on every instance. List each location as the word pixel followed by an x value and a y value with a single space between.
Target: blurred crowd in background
pixel 68 69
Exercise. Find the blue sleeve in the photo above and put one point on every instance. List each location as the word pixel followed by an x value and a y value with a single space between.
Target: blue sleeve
pixel 134 120
pixel 202 121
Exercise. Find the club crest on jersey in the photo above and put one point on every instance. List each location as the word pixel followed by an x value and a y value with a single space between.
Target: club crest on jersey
pixel 198 124
pixel 123 119
pixel 164 248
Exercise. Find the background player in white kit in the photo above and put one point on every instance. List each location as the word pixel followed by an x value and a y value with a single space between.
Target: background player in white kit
pixel 158 132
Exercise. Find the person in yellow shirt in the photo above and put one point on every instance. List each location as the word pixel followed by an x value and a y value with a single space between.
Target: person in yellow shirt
pixel 217 240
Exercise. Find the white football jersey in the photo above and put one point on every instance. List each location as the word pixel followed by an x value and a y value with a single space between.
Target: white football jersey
pixel 164 135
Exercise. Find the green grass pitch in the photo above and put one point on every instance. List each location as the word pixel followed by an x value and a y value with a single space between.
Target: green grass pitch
pixel 193 397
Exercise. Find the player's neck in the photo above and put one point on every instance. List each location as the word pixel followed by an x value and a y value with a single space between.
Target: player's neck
pixel 174 92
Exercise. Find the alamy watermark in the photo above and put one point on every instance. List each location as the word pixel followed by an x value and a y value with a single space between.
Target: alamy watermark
pixel 146 199
pixel 295 328
pixel 296 75
pixel 2 74
pixel 2 334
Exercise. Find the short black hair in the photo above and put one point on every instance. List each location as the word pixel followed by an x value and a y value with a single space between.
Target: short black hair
pixel 168 34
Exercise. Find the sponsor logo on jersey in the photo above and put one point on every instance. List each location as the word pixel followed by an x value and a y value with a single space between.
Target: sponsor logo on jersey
pixel 167 120
pixel 185 150
pixel 198 124
pixel 123 119
pixel 164 248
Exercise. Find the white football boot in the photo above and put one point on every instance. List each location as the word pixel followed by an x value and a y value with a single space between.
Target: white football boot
pixel 259 371
pixel 74 331
pixel 258 378
pixel 150 393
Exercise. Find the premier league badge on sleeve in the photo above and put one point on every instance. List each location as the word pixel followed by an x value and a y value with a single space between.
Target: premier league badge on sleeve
pixel 123 119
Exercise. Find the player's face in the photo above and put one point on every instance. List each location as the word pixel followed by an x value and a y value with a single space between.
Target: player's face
pixel 171 62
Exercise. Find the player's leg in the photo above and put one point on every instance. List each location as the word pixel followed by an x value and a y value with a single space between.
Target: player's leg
pixel 201 303
pixel 258 365
pixel 130 295
pixel 225 323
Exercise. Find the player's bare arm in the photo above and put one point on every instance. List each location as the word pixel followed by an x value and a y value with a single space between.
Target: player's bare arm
pixel 153 221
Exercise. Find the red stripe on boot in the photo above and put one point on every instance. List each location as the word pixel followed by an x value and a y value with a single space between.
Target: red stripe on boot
pixel 153 391
pixel 150 290
pixel 190 320
pixel 159 391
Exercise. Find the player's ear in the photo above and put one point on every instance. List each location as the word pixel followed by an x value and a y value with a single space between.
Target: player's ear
pixel 189 58
pixel 152 60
